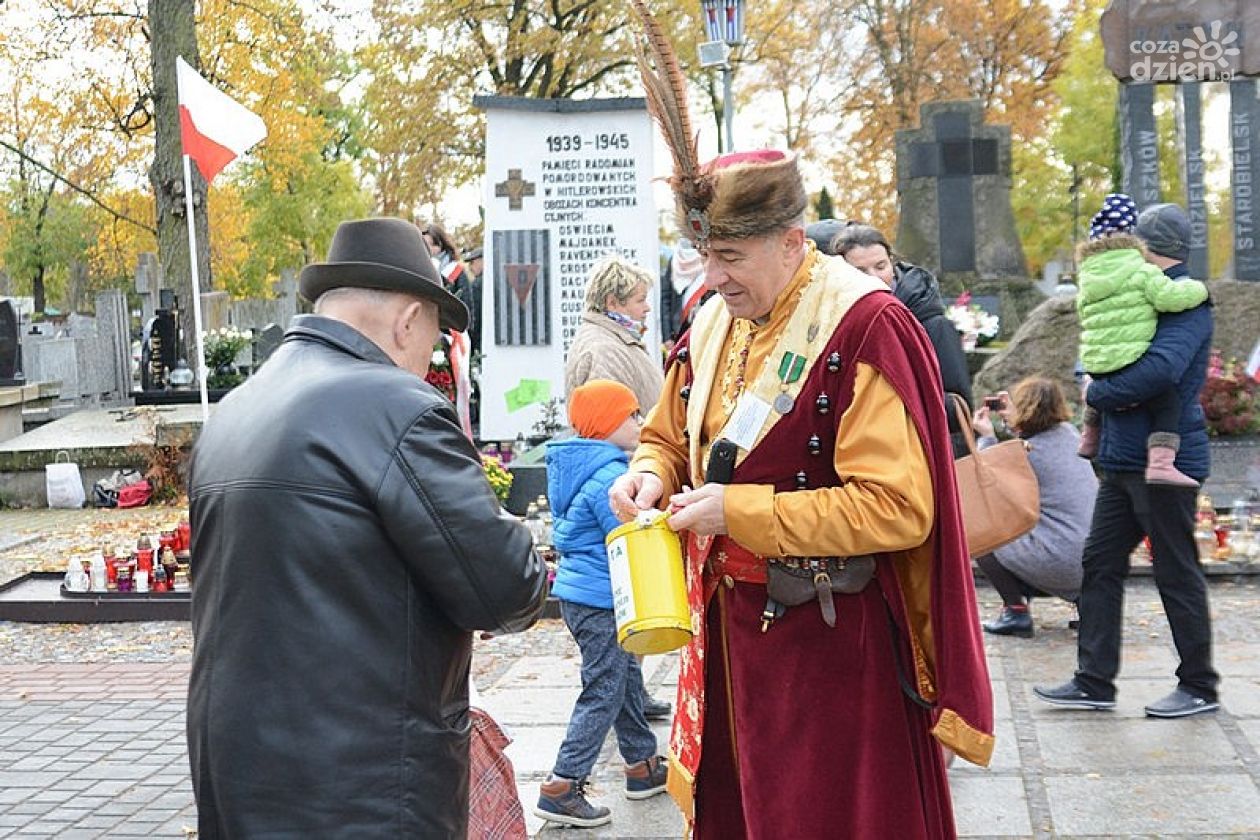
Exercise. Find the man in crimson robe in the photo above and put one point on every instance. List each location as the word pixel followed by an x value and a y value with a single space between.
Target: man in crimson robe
pixel 825 719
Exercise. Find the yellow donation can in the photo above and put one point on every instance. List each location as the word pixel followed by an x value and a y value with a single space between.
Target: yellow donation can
pixel 648 588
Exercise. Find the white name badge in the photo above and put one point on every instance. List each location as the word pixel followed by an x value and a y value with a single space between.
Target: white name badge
pixel 750 415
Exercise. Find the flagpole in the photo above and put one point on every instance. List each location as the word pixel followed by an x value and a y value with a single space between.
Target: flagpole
pixel 196 291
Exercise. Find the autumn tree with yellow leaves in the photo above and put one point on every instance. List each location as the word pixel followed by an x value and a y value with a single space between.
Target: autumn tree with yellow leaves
pixel 276 210
pixel 388 124
pixel 1006 53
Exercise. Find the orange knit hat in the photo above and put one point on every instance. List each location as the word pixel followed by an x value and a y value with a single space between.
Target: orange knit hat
pixel 597 408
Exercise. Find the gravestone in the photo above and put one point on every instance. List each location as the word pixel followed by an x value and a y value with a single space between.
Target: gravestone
pixel 158 353
pixel 266 342
pixel 149 285
pixel 215 307
pixel 110 365
pixel 954 180
pixel 10 345
pixel 56 359
pixel 80 325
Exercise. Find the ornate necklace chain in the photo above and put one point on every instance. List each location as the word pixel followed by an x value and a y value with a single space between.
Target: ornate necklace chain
pixel 737 364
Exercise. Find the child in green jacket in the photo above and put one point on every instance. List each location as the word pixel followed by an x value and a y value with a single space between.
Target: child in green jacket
pixel 1120 298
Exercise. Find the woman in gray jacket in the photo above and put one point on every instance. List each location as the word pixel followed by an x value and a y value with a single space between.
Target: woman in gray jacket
pixel 1046 560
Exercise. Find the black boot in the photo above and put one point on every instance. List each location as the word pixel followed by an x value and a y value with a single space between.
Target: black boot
pixel 1012 622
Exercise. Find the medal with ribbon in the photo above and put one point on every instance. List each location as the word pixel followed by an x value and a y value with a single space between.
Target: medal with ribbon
pixel 791 366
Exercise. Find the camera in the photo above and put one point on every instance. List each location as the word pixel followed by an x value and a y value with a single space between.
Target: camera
pixel 994 403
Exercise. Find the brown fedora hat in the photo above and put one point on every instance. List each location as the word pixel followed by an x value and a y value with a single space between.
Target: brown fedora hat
pixel 387 254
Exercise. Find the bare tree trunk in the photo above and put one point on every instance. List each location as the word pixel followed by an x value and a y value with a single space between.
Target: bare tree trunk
pixel 172 28
pixel 77 286
pixel 37 289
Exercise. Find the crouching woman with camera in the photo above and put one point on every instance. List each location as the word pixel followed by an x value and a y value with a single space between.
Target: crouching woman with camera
pixel 1046 560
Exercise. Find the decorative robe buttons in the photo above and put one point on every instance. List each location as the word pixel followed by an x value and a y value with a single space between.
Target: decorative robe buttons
pixel 685 392
pixel 683 355
pixel 823 403
pixel 686 434
pixel 815 445
pixel 833 362
pixel 802 480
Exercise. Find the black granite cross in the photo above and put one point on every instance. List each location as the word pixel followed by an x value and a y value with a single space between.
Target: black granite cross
pixel 514 189
pixel 953 159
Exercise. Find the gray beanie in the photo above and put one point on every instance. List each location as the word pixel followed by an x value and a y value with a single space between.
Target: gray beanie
pixel 1165 228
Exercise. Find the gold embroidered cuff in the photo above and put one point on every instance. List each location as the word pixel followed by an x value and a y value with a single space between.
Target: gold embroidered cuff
pixel 967 741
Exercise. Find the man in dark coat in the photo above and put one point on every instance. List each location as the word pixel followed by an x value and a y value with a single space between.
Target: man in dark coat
pixel 865 248
pixel 347 544
pixel 1128 508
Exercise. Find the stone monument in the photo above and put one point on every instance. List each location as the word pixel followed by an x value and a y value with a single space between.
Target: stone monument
pixel 567 183
pixel 954 179
pixel 10 345
pixel 148 285
pixel 266 342
pixel 1187 43
pixel 160 350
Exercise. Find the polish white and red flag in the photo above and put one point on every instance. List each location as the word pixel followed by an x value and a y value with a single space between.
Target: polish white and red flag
pixel 214 127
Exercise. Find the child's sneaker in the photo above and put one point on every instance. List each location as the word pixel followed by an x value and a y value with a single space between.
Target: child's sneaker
pixel 1161 453
pixel 564 801
pixel 646 778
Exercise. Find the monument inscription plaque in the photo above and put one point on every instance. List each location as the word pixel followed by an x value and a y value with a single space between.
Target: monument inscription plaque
pixel 568 182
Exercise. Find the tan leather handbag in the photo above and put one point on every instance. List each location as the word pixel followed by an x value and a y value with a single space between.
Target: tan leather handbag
pixel 998 489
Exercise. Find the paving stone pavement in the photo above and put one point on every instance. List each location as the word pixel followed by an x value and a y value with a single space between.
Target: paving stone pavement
pixel 96 749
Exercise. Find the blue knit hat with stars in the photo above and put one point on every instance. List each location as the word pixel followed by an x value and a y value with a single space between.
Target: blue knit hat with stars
pixel 1118 215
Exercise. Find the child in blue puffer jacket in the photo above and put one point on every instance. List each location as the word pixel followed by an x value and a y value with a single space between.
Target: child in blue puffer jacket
pixel 580 471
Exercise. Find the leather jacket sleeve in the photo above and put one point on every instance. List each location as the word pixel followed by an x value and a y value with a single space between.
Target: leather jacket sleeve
pixel 474 559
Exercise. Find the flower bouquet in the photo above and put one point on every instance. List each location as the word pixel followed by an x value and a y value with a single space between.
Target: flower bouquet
pixel 440 375
pixel 498 476
pixel 977 326
pixel 1230 398
pixel 222 346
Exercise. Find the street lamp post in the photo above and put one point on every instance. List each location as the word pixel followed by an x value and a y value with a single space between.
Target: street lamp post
pixel 724 26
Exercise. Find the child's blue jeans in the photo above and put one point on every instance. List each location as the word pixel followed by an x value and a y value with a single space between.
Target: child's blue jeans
pixel 612 696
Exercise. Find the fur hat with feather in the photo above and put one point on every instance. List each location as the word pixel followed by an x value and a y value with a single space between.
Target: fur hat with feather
pixel 735 196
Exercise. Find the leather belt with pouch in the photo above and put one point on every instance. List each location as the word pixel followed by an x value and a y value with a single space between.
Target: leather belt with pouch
pixel 792 581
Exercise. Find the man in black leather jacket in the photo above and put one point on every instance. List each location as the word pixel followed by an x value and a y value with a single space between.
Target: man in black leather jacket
pixel 345 546
pixel 865 248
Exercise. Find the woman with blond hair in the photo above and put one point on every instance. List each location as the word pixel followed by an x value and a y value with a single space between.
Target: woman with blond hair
pixel 1046 560
pixel 609 342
